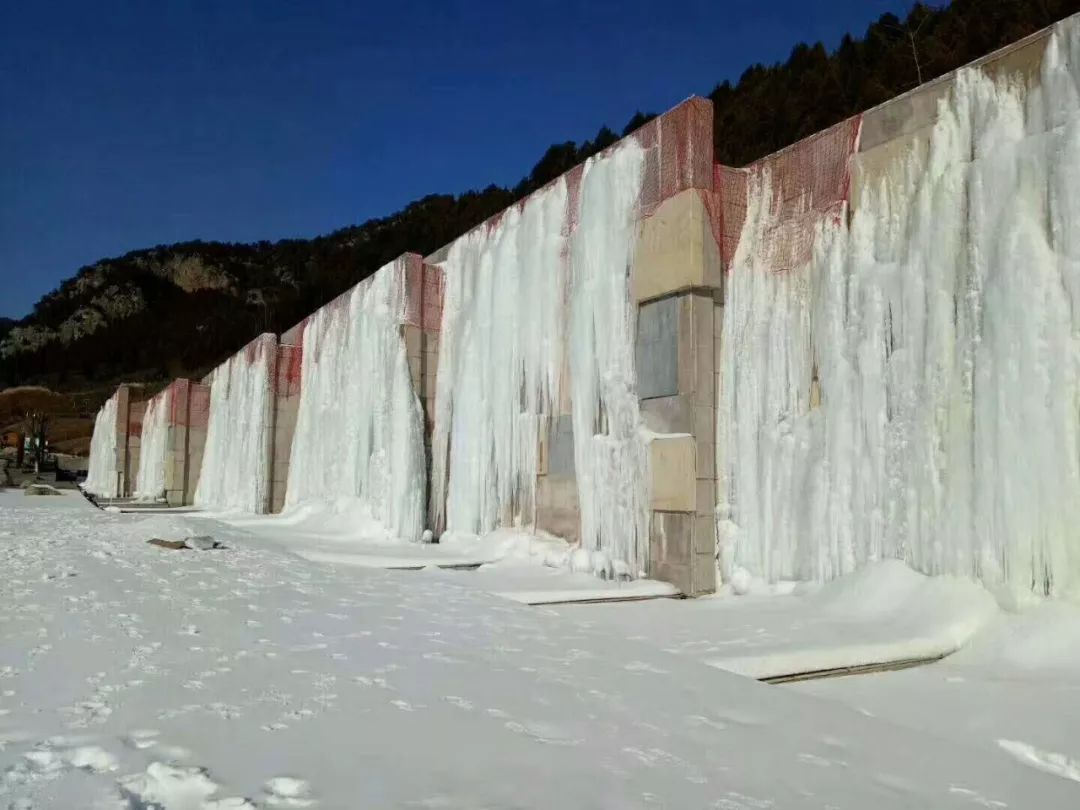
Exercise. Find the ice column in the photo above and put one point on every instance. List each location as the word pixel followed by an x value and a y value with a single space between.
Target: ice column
pixel 943 327
pixel 150 480
pixel 359 429
pixel 101 476
pixel 236 458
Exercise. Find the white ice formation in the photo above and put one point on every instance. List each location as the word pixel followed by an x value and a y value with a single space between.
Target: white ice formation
pixel 150 479
pixel 235 466
pixel 359 430
pixel 102 474
pixel 941 326
pixel 535 302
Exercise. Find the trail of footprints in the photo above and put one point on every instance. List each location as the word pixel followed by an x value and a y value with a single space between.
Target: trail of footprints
pixel 166 782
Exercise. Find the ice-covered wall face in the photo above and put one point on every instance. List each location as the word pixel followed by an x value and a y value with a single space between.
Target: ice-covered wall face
pixel 153 448
pixel 236 457
pixel 546 284
pixel 101 474
pixel 501 353
pixel 610 455
pixel 359 429
pixel 942 329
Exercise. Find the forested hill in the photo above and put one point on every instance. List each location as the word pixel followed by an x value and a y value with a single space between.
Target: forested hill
pixel 178 310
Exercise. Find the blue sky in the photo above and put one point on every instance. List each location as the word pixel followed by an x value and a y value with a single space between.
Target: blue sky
pixel 129 124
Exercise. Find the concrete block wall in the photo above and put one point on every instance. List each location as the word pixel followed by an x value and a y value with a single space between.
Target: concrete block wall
pixel 692 211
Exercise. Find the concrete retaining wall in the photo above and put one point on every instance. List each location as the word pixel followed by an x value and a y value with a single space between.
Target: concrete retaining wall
pixel 691 215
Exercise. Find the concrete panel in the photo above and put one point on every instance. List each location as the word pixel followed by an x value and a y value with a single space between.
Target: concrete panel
pixel 560 450
pixel 557 509
pixel 670 543
pixel 682 552
pixel 656 350
pixel 672 469
pixel 676 249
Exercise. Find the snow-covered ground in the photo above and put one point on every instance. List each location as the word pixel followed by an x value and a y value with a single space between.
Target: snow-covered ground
pixel 133 676
pixel 883 614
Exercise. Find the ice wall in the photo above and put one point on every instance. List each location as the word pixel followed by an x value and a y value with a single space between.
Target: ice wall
pixel 236 457
pixel 102 474
pixel 359 430
pixel 153 449
pixel 939 329
pixel 610 455
pixel 500 361
pixel 541 290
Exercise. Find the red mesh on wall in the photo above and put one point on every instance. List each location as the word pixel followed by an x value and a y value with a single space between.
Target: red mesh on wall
pixel 136 414
pixel 424 287
pixel 199 406
pixel 678 152
pixel 808 182
pixel 178 404
pixel 729 209
pixel 289 370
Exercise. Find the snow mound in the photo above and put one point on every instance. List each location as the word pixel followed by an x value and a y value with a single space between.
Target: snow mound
pixel 883 614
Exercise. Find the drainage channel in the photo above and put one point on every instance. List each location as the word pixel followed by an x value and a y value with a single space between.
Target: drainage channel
pixel 857 669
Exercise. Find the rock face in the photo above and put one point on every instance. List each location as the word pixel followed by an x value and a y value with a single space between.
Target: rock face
pixel 112 291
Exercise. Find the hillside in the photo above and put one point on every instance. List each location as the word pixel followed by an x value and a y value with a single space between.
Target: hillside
pixel 178 310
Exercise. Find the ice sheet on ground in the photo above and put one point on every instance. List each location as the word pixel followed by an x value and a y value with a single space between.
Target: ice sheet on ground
pixel 133 676
pixel 881 614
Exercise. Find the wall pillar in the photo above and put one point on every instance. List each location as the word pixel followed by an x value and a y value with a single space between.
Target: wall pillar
pixel 287 381
pixel 677 281
pixel 424 287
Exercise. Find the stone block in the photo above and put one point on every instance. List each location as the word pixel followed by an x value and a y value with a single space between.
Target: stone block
pixel 676 249
pixel 702 575
pixel 704 534
pixel 672 470
pixel 702 307
pixel 704 421
pixel 668 414
pixel 704 496
pixel 557 509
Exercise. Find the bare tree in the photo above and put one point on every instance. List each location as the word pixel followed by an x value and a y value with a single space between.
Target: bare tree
pixel 911 33
pixel 30 411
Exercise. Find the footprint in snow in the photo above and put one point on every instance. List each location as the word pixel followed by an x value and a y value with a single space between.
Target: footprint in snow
pixel 287 791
